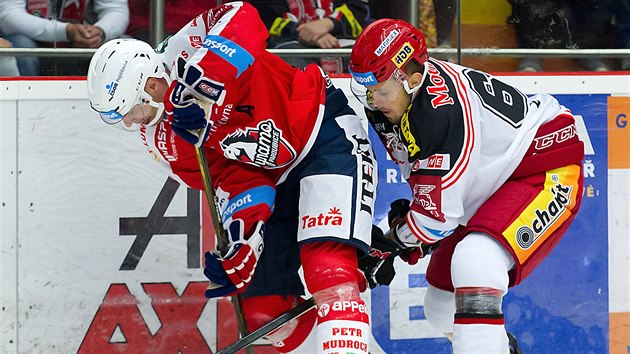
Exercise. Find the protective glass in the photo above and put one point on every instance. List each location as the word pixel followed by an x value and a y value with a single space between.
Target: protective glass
pixel 138 114
pixel 381 94
pixel 110 117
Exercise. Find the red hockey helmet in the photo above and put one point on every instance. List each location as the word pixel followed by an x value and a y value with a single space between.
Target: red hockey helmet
pixel 384 46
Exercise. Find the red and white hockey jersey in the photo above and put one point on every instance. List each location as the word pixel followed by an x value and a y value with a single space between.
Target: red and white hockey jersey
pixel 462 137
pixel 266 123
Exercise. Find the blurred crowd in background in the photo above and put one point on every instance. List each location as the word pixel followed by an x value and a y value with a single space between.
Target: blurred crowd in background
pixel 299 24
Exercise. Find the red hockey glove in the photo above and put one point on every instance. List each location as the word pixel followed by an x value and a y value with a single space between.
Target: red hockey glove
pixel 234 271
pixel 188 118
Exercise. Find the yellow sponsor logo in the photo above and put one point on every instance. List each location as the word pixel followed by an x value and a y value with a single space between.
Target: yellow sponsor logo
pixel 406 132
pixel 551 207
pixel 403 55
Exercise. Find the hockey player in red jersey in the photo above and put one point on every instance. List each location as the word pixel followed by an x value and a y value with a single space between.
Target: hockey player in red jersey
pixel 291 164
pixel 495 176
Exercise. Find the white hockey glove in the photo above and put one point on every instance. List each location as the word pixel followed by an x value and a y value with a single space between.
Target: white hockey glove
pixel 233 272
pixel 400 233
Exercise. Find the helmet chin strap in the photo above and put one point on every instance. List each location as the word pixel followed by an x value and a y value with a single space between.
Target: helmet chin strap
pixel 133 128
pixel 414 91
pixel 158 116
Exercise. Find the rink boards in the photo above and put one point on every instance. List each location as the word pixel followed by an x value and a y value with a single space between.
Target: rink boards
pixel 101 253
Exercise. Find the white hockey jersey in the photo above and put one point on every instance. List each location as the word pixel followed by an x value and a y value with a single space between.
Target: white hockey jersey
pixel 461 138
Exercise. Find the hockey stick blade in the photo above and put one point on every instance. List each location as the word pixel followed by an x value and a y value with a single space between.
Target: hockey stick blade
pixel 295 312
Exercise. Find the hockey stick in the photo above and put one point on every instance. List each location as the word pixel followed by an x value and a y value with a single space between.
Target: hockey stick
pixel 295 312
pixel 222 241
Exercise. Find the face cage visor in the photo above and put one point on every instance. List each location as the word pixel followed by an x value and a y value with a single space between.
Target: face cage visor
pixel 383 95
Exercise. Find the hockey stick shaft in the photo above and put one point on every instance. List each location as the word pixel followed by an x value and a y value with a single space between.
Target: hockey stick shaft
pixel 222 241
pixel 295 312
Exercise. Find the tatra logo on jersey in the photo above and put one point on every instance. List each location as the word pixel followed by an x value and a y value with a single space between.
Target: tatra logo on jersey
pixel 261 146
pixel 438 88
pixel 333 217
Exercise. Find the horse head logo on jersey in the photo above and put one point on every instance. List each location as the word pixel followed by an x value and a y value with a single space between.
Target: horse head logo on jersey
pixel 239 146
pixel 261 146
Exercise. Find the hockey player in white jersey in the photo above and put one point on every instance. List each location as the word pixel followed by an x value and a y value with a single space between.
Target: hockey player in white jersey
pixel 495 176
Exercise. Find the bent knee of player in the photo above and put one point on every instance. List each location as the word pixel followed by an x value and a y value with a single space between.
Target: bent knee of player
pixel 327 265
pixel 331 274
pixel 294 336
pixel 259 310
pixel 481 261
pixel 439 308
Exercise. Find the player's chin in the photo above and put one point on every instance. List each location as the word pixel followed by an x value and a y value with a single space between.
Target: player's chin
pixel 391 116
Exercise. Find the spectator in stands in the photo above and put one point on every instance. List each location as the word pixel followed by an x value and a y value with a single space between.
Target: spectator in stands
pixel 435 17
pixel 79 24
pixel 621 10
pixel 327 24
pixel 177 14
pixel 8 65
pixel 562 24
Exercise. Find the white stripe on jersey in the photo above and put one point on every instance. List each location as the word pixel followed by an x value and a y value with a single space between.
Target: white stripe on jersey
pixel 469 132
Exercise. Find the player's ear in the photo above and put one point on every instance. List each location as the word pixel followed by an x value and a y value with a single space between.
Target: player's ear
pixel 414 79
pixel 156 87
pixel 151 85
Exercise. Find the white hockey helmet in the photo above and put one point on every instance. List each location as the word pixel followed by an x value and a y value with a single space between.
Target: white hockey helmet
pixel 117 75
